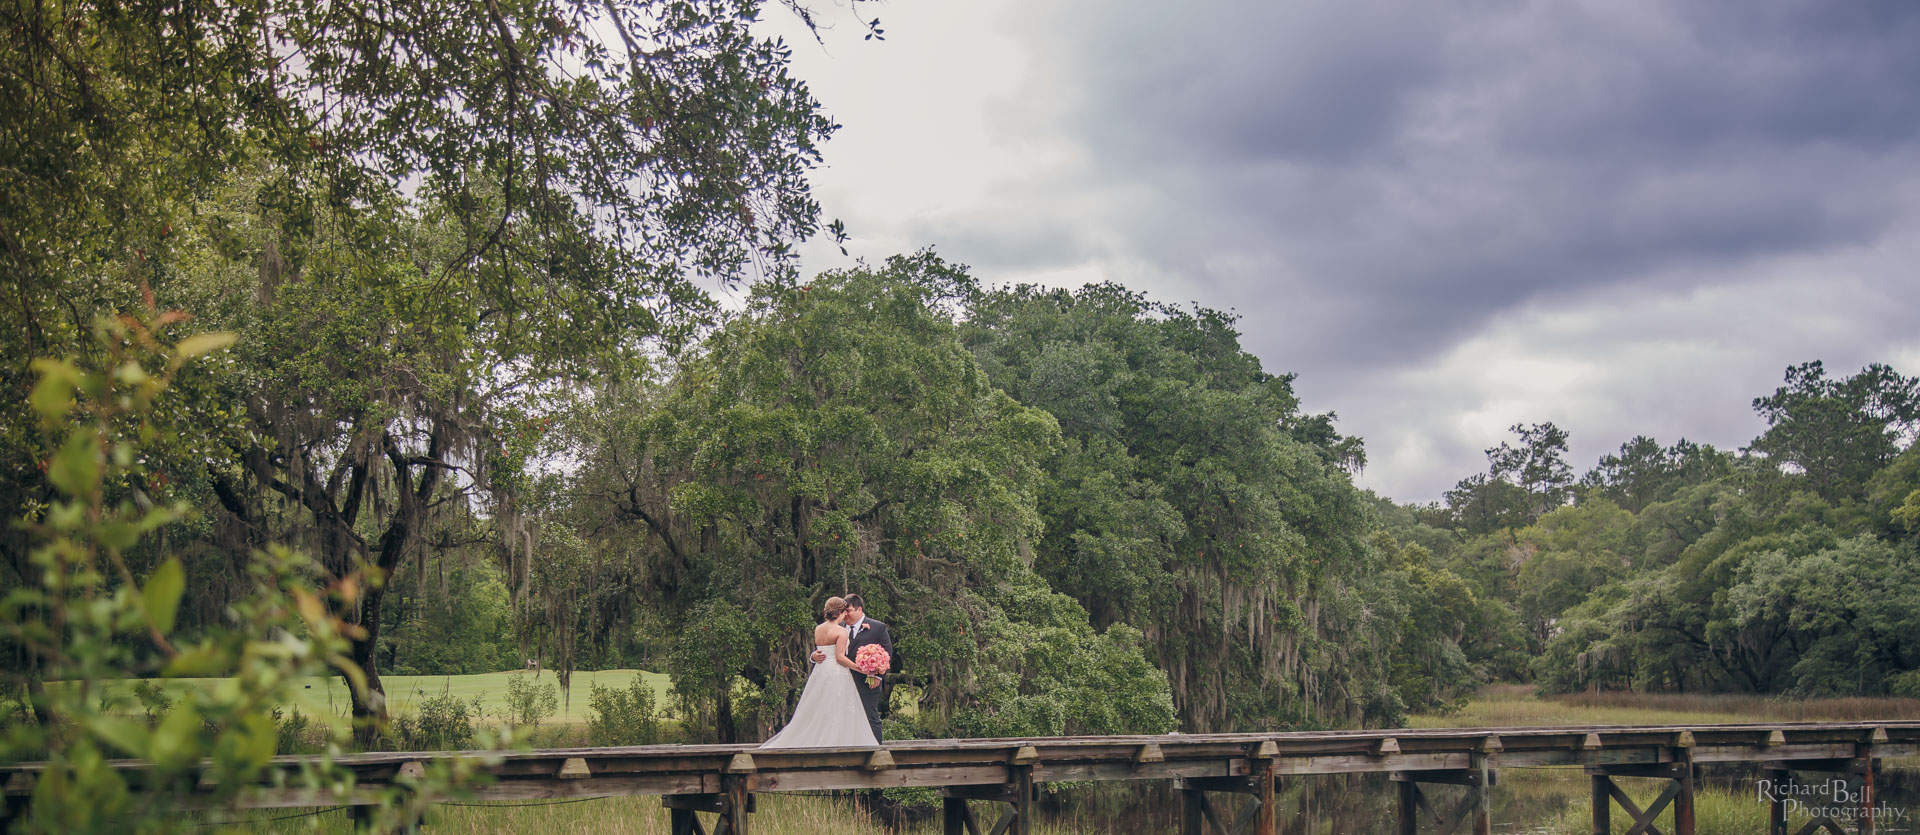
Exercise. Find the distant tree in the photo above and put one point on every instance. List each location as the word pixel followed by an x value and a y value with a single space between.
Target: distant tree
pixel 1643 472
pixel 1538 464
pixel 1482 504
pixel 1838 433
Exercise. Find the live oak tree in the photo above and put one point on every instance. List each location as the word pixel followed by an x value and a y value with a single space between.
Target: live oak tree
pixel 446 206
pixel 1194 501
pixel 836 437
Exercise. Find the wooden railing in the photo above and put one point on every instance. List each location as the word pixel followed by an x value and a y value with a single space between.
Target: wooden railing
pixel 721 780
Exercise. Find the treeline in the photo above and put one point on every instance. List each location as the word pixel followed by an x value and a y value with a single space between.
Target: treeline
pixel 477 401
pixel 1082 512
pixel 1788 566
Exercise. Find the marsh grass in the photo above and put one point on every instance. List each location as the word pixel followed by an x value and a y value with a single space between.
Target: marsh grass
pixel 1854 709
pixel 1718 810
pixel 776 815
pixel 1516 705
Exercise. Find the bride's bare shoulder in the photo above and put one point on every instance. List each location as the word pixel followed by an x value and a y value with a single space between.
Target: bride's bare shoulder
pixel 828 632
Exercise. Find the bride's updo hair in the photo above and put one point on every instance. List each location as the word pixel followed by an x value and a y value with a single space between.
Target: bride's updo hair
pixel 835 605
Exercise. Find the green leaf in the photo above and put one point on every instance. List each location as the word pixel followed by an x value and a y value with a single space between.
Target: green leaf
pixel 76 467
pixel 201 344
pixel 198 662
pixel 262 738
pixel 163 594
pixel 128 735
pixel 53 395
pixel 174 742
pixel 119 535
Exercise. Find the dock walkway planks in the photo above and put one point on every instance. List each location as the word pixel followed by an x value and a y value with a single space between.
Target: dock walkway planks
pixel 721 779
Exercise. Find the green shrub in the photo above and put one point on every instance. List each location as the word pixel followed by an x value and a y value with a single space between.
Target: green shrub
pixel 622 717
pixel 153 700
pixel 527 702
pixel 298 733
pixel 1905 684
pixel 441 723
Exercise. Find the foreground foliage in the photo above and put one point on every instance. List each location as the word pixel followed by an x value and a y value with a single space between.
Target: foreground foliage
pixel 88 622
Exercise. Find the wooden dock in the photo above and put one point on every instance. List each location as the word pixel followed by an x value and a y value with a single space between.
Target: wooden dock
pixel 1226 781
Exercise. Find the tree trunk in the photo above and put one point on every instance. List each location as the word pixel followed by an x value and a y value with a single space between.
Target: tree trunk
pixel 723 728
pixel 370 712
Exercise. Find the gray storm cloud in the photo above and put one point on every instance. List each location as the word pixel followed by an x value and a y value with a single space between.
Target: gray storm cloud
pixel 1401 198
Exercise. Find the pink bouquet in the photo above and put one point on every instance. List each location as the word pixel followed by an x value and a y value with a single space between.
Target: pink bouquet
pixel 873 660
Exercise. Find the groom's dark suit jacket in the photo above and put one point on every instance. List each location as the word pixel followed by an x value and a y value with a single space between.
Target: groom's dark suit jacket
pixel 872 632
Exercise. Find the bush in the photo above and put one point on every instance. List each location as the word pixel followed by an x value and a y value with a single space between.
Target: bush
pixel 442 723
pixel 528 703
pixel 298 733
pixel 622 717
pixel 1906 685
pixel 153 700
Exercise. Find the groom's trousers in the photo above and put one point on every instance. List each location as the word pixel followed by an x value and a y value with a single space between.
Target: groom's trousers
pixel 870 699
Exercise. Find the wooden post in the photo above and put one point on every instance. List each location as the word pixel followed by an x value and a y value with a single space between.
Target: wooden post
pixel 1022 800
pixel 1776 800
pixel 1683 802
pixel 1264 823
pixel 1482 797
pixel 953 816
pixel 1602 805
pixel 1867 823
pixel 1193 820
pixel 734 808
pixel 1409 808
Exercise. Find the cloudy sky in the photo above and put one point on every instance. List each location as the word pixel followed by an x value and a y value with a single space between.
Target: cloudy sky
pixel 1623 217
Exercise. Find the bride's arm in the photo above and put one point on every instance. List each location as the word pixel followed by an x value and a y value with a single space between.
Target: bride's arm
pixel 840 651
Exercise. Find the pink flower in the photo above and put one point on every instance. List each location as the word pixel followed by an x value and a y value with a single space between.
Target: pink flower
pixel 873 660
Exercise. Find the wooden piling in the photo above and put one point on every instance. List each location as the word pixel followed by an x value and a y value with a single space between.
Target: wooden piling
pixel 1868 824
pixel 1409 820
pixel 1193 812
pixel 1777 781
pixel 1602 805
pixel 1266 815
pixel 1683 801
pixel 1482 796
pixel 955 816
pixel 734 808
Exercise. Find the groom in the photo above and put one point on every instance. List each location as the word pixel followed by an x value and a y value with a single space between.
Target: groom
pixel 863 630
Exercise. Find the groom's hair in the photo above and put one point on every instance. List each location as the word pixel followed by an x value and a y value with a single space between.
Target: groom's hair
pixel 855 601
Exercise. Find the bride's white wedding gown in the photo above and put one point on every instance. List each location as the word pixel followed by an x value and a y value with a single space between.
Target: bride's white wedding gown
pixel 829 714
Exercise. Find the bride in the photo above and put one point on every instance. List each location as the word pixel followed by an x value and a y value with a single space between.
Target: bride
pixel 829 714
